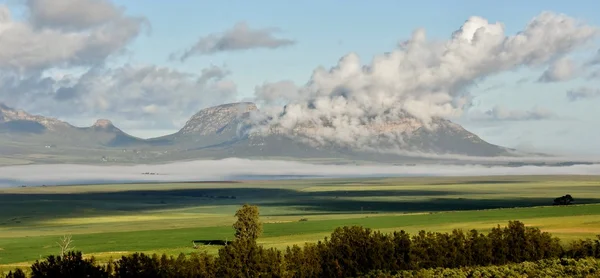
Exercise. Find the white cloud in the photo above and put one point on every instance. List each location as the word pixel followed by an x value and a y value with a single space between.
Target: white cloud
pixel 275 93
pixel 140 93
pixel 72 14
pixel 27 48
pixel 424 79
pixel 54 63
pixel 561 70
pixel 240 37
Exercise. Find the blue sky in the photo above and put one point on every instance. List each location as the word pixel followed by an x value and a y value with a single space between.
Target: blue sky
pixel 327 30
pixel 324 31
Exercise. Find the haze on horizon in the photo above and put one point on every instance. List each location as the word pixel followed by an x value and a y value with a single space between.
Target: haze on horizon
pixel 526 77
pixel 236 169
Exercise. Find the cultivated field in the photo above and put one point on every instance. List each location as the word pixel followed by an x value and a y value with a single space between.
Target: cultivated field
pixel 110 220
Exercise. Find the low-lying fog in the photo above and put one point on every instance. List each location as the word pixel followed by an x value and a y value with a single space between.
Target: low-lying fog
pixel 243 169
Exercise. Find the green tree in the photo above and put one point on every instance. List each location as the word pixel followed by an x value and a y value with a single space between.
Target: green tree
pixel 17 274
pixel 243 257
pixel 248 226
pixel 72 264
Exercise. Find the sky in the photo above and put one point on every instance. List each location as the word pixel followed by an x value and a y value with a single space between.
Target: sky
pixel 530 78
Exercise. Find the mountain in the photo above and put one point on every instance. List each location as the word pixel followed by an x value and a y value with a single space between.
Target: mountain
pixel 224 131
pixel 209 126
pixel 19 121
pixel 24 127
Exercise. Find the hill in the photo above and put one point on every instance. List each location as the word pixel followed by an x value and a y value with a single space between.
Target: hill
pixel 230 130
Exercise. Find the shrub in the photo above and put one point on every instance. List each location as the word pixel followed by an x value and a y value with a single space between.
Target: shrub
pixel 71 264
pixel 18 273
pixel 588 267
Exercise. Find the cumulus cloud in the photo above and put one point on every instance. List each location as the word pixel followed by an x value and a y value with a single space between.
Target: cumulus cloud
pixel 29 48
pixel 421 78
pixel 561 70
pixel 242 169
pixel 240 37
pixel 583 93
pixel 54 62
pixel 276 92
pixel 72 14
pixel 499 113
pixel 131 91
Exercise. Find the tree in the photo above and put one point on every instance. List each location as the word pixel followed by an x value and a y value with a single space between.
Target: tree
pixel 564 200
pixel 65 245
pixel 17 274
pixel 72 264
pixel 248 226
pixel 244 257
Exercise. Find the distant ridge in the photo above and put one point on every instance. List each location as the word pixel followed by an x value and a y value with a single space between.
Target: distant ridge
pixel 221 131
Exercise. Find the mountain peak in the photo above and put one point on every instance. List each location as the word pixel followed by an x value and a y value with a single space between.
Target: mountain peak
pixel 9 114
pixel 211 120
pixel 103 123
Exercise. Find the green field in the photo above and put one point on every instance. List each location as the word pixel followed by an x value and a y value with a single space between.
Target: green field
pixel 110 220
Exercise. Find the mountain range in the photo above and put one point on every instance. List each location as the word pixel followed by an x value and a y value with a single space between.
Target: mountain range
pixel 218 132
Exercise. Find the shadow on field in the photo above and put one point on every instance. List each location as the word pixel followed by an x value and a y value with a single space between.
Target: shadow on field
pixel 481 182
pixel 383 193
pixel 432 205
pixel 17 209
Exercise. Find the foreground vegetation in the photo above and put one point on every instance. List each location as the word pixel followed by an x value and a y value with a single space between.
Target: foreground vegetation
pixel 576 268
pixel 113 220
pixel 351 251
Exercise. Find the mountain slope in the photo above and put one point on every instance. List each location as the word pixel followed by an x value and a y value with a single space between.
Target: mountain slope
pixel 403 135
pixel 228 131
pixel 210 126
pixel 20 125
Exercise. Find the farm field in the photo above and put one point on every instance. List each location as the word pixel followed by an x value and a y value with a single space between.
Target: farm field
pixel 110 220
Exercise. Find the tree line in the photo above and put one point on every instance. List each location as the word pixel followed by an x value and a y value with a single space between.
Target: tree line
pixel 574 268
pixel 349 252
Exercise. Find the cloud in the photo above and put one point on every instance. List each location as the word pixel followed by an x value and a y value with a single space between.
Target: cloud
pixel 78 39
pixel 72 14
pixel 276 92
pixel 420 79
pixel 561 70
pixel 583 93
pixel 132 92
pixel 28 48
pixel 499 113
pixel 243 169
pixel 240 37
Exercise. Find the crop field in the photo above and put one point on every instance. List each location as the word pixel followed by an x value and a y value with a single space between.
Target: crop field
pixel 111 220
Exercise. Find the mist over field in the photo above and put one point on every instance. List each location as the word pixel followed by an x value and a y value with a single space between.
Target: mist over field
pixel 244 169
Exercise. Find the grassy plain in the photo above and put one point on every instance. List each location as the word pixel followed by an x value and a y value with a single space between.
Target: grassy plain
pixel 110 220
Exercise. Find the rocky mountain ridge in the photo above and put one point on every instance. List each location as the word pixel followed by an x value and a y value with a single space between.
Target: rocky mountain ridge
pixel 8 114
pixel 211 120
pixel 228 131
